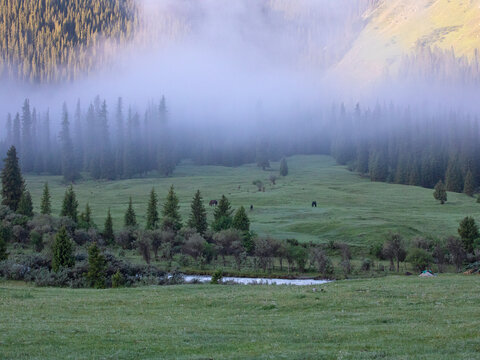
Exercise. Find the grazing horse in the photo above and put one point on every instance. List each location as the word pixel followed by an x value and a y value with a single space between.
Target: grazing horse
pixel 314 204
pixel 213 203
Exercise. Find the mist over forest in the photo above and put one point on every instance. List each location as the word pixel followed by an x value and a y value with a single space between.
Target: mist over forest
pixel 157 82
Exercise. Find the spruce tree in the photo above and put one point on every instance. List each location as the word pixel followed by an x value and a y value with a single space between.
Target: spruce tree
pixel 12 180
pixel 469 185
pixel 130 217
pixel 453 177
pixel 96 267
pixel 25 206
pixel 283 167
pixel 46 205
pixel 86 221
pixel 108 234
pixel 198 216
pixel 69 171
pixel 440 192
pixel 222 215
pixel 70 205
pixel 170 212
pixel 468 231
pixel 62 251
pixel 152 211
pixel 241 221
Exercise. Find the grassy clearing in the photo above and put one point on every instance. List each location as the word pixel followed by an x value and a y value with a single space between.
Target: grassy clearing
pixel 394 318
pixel 350 209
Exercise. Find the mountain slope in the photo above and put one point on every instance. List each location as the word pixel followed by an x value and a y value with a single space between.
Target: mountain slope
pixel 396 28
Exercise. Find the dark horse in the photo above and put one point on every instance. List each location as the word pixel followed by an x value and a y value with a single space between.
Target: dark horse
pixel 314 204
pixel 213 203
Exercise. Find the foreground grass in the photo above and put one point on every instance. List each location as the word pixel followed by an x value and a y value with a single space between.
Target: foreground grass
pixel 394 318
pixel 350 209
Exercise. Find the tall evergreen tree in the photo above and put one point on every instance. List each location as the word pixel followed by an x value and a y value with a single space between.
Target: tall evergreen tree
pixel 170 211
pixel 198 216
pixel 62 251
pixel 469 185
pixel 70 205
pixel 130 219
pixel 222 215
pixel 152 211
pixel 468 231
pixel 25 206
pixel 283 167
pixel 27 150
pixel 440 192
pixel 68 160
pixel 86 221
pixel 108 234
pixel 46 204
pixel 241 221
pixel 12 180
pixel 453 177
pixel 96 267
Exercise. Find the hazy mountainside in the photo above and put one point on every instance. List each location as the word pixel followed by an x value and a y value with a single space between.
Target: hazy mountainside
pixel 397 28
pixel 51 41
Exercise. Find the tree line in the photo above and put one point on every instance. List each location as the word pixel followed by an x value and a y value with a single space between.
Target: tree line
pixel 386 143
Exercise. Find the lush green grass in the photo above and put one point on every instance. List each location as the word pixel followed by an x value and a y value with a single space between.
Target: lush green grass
pixel 351 209
pixel 394 318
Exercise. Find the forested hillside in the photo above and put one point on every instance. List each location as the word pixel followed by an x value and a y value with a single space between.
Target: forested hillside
pixel 57 40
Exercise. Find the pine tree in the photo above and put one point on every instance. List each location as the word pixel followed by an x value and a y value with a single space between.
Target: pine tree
pixel 130 217
pixel 68 160
pixel 222 215
pixel 46 205
pixel 170 211
pixel 198 216
pixel 27 150
pixel 96 267
pixel 453 176
pixel 25 206
pixel 12 180
pixel 108 234
pixel 86 221
pixel 468 231
pixel 469 186
pixel 62 251
pixel 152 211
pixel 70 205
pixel 241 221
pixel 440 192
pixel 283 167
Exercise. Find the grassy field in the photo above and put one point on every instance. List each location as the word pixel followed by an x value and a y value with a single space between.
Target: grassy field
pixel 350 209
pixel 388 318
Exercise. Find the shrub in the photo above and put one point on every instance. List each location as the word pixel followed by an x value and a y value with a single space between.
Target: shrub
pixel 367 264
pixel 217 277
pixel 36 239
pixel 118 280
pixel 419 258
pixel 20 234
pixel 125 238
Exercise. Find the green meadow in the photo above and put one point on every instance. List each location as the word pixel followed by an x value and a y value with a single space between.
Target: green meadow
pixel 350 209
pixel 388 318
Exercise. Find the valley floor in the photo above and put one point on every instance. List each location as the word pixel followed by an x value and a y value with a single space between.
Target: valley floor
pixel 389 318
pixel 350 209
